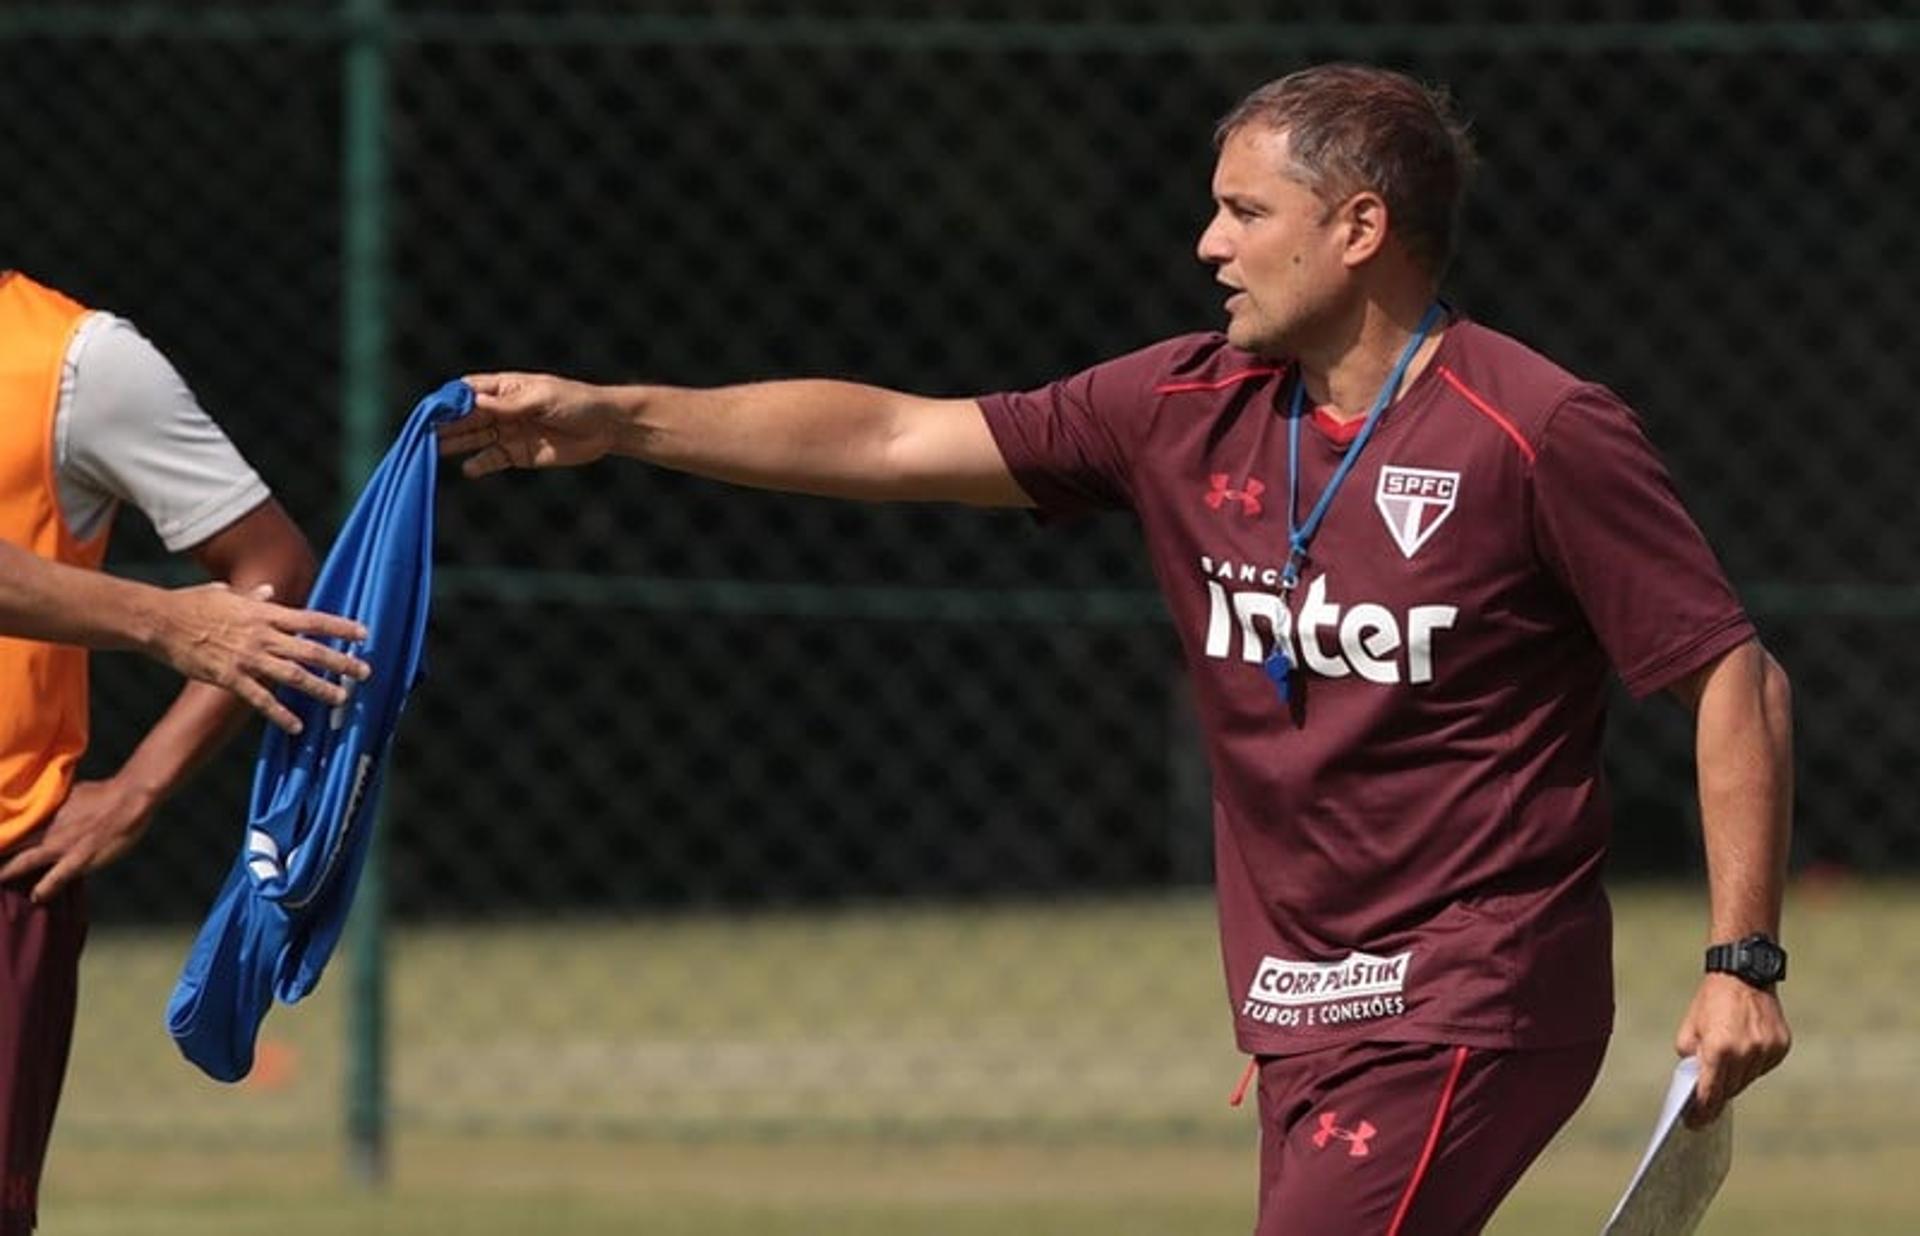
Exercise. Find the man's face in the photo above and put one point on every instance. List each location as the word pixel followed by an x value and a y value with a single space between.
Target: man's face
pixel 1274 242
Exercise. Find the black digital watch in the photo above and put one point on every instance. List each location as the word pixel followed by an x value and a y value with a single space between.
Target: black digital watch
pixel 1755 960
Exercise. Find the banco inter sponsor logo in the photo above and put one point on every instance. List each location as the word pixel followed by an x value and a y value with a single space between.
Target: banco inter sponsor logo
pixel 1358 987
pixel 1326 637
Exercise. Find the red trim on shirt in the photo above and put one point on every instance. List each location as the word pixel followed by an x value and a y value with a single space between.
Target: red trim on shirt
pixel 1433 1136
pixel 1487 410
pixel 1175 388
pixel 1342 432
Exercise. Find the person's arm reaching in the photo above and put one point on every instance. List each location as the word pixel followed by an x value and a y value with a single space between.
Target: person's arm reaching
pixel 837 439
pixel 1744 752
pixel 101 820
pixel 237 640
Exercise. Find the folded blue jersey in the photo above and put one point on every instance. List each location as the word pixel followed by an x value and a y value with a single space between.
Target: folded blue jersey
pixel 281 912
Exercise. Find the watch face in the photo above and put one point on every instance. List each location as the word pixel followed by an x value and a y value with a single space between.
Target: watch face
pixel 1765 961
pixel 1756 960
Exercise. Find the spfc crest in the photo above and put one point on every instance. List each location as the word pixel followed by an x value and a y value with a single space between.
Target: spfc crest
pixel 1414 502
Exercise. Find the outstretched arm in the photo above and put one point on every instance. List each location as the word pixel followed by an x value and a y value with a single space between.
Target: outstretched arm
pixel 101 820
pixel 237 640
pixel 1744 751
pixel 837 439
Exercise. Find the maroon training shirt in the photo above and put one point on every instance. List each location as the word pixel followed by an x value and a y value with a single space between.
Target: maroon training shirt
pixel 1412 849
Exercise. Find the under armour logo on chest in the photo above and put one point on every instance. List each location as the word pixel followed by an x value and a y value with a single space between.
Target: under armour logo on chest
pixel 1220 492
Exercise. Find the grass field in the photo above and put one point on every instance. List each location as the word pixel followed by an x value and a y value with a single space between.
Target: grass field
pixel 927 1071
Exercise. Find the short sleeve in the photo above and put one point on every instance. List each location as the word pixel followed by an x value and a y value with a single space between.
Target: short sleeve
pixel 130 430
pixel 1611 528
pixel 1071 443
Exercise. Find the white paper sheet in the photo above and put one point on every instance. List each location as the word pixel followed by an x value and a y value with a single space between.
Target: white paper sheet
pixel 1681 1170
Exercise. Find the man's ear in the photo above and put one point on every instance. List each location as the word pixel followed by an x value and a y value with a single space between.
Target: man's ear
pixel 1364 221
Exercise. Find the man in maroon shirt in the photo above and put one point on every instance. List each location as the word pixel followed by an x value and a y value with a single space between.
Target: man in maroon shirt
pixel 1404 554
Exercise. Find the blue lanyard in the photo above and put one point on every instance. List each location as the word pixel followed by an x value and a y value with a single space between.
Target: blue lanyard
pixel 1299 536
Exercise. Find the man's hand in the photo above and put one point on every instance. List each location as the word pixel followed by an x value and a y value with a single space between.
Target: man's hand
pixel 247 645
pixel 1739 1032
pixel 528 420
pixel 99 821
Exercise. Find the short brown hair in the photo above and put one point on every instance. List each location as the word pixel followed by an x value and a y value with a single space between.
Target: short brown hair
pixel 1352 127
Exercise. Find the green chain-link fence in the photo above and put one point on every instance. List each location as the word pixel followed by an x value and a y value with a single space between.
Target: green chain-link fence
pixel 722 809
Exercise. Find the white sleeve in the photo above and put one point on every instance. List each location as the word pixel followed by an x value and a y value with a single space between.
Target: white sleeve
pixel 127 429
